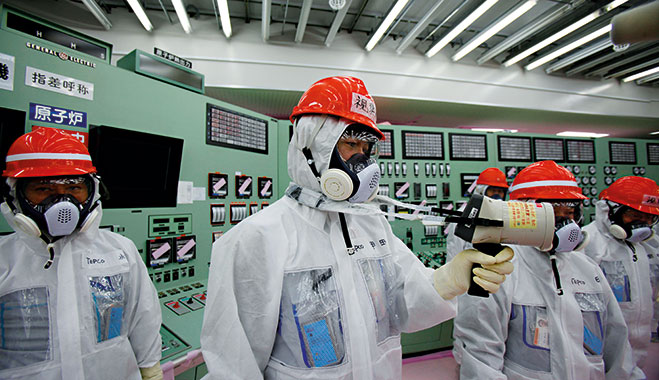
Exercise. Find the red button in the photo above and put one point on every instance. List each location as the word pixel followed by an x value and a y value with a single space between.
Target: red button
pixel 176 305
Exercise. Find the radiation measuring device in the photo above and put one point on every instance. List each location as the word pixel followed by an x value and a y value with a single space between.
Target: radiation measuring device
pixel 487 223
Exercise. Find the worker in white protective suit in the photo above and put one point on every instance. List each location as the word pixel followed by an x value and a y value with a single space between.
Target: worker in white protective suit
pixel 624 217
pixel 490 183
pixel 555 317
pixel 316 286
pixel 75 301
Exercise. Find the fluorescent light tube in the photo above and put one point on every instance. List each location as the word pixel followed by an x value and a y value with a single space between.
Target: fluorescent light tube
pixel 641 74
pixel 557 36
pixel 494 130
pixel 460 27
pixel 395 11
pixel 182 15
pixel 581 134
pixel 141 15
pixel 98 13
pixel 569 47
pixel 225 18
pixel 493 29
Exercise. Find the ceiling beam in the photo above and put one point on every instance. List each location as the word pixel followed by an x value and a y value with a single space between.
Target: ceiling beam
pixel 304 18
pixel 336 23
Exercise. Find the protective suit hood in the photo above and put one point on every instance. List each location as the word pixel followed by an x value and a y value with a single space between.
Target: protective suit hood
pixel 320 134
pixel 602 217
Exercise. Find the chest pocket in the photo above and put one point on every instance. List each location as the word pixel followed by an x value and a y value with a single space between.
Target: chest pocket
pixel 310 333
pixel 24 328
pixel 386 294
pixel 108 296
pixel 528 337
pixel 592 312
pixel 616 274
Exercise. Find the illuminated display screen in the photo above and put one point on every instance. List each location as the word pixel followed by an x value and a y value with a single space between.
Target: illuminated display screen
pixel 387 145
pixel 234 130
pixel 427 145
pixel 548 149
pixel 514 148
pixel 622 152
pixel 653 154
pixel 580 150
pixel 467 147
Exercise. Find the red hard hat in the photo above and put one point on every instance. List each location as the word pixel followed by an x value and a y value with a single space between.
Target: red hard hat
pixel 47 152
pixel 638 193
pixel 545 180
pixel 492 177
pixel 339 96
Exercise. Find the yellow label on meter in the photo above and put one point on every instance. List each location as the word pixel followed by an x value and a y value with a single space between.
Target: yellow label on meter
pixel 522 215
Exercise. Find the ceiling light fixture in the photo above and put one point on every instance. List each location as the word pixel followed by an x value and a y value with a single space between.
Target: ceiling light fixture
pixel 569 47
pixel 225 19
pixel 395 11
pixel 98 13
pixel 494 130
pixel 494 28
pixel 557 36
pixel 460 27
pixel 579 55
pixel 654 133
pixel 141 15
pixel 641 74
pixel 581 134
pixel 182 15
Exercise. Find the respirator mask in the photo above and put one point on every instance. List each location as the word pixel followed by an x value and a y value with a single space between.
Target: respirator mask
pixel 568 235
pixel 355 179
pixel 636 231
pixel 58 214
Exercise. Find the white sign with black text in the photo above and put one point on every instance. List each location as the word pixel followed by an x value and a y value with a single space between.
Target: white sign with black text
pixel 58 83
pixel 7 72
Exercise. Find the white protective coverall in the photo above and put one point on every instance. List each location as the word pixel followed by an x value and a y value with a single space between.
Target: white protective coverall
pixel 627 269
pixel 286 301
pixel 49 317
pixel 652 248
pixel 527 331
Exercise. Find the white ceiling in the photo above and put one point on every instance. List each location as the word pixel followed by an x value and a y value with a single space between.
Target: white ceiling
pixel 418 27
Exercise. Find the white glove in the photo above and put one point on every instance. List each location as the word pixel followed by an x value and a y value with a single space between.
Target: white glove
pixel 152 373
pixel 453 278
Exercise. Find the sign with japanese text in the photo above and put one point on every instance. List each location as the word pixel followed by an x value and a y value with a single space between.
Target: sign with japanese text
pixel 56 115
pixel 169 56
pixel 82 136
pixel 58 83
pixel 522 215
pixel 6 72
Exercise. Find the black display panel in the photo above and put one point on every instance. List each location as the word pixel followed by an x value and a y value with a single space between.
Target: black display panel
pixel 653 154
pixel 466 182
pixel 235 130
pixel 12 126
pixel 467 147
pixel 139 169
pixel 423 145
pixel 149 65
pixel 44 32
pixel 580 151
pixel 514 148
pixel 548 149
pixel 622 152
pixel 387 144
